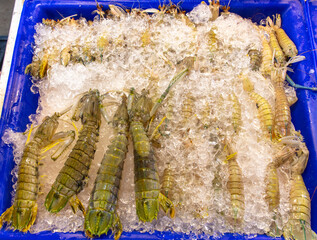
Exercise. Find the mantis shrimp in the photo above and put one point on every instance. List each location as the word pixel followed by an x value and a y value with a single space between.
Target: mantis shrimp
pixel 298 225
pixel 236 114
pixel 288 46
pixel 274 44
pixel 235 186
pixel 264 108
pixel 22 214
pixel 70 180
pixel 147 186
pixel 100 215
pixel 272 190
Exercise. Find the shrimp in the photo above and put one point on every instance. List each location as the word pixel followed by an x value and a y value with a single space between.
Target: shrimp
pixel 298 225
pixel 276 48
pixel 214 9
pixel 101 213
pixel 263 106
pixel 236 114
pixel 39 67
pixel 255 59
pixel 286 43
pixel 147 186
pixel 235 187
pixel 22 214
pixel 272 191
pixel 167 182
pixel 282 117
pixel 187 108
pixel 71 179
pixel 267 57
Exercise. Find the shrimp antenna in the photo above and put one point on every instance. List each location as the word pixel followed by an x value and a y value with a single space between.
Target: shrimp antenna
pixel 228 4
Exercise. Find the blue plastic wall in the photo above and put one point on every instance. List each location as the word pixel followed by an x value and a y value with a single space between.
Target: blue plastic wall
pixel 299 21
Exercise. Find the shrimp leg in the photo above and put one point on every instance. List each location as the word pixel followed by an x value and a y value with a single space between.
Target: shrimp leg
pixel 293 84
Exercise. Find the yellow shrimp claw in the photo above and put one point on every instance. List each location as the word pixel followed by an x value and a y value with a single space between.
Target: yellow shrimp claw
pixel 28 68
pixel 29 134
pixel 65 56
pixel 167 205
pixel 6 216
pixel 43 66
pixel 76 204
pixel 117 228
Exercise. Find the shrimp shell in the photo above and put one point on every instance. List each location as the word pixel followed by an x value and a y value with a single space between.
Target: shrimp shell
pixel 272 192
pixel 265 112
pixel 167 182
pixel 235 188
pixel 282 111
pixel 187 108
pixel 278 53
pixel 267 57
pixel 255 59
pixel 147 186
pixel 298 225
pixel 236 114
pixel 274 43
pixel 22 213
pixel 263 106
pixel 286 43
pixel 70 180
pixel 101 213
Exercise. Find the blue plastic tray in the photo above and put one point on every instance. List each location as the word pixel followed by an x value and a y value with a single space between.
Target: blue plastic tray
pixel 20 102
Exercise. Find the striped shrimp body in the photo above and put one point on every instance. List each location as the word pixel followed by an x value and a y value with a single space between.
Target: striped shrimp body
pixel 286 43
pixel 101 212
pixel 275 46
pixel 272 198
pixel 263 106
pixel 272 191
pixel 267 57
pixel 146 179
pixel 22 213
pixel 236 114
pixel 70 180
pixel 255 59
pixel 298 225
pixel 235 188
pixel 167 182
pixel 187 108
pixel 282 117
pixel 147 185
